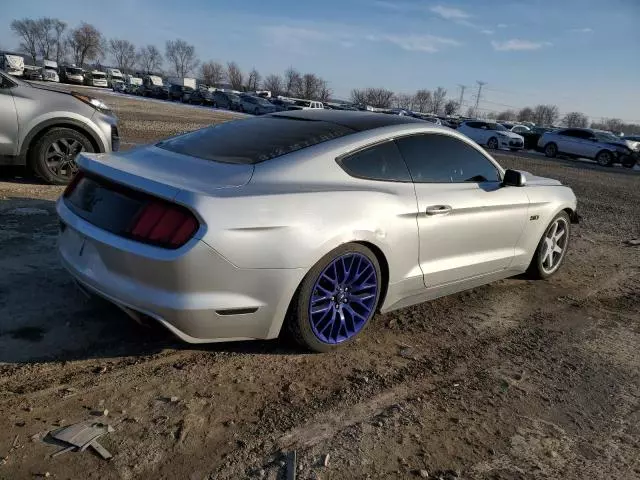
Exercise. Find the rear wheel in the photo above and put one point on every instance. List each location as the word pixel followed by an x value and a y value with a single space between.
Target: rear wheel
pixel 552 248
pixel 493 143
pixel 551 150
pixel 604 158
pixel 337 299
pixel 53 156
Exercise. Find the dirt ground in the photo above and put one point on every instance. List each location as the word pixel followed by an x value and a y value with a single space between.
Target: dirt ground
pixel 515 380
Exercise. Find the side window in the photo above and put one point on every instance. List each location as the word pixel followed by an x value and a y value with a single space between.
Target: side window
pixel 435 158
pixel 380 162
pixel 568 133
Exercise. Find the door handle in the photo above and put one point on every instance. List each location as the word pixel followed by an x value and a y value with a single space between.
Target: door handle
pixel 439 210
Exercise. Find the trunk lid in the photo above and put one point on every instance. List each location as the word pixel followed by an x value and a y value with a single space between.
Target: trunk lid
pixel 163 173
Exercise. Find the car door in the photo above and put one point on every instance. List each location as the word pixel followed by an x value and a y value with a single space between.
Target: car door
pixel 569 141
pixel 8 119
pixel 589 144
pixel 468 223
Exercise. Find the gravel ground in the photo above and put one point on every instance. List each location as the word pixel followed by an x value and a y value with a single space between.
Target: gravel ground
pixel 514 380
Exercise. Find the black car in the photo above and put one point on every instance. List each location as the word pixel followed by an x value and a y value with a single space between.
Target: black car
pixel 230 101
pixel 532 136
pixel 152 88
pixel 177 92
pixel 281 105
pixel 200 96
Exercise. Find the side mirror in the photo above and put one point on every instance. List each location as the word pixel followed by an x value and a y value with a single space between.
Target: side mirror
pixel 514 178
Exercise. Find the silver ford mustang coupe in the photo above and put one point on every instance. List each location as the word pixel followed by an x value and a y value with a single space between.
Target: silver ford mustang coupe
pixel 307 220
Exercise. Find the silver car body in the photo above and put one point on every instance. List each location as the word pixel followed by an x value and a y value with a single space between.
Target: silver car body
pixel 26 111
pixel 263 226
pixel 586 142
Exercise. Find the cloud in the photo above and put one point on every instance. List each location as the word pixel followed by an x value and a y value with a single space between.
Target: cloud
pixel 502 25
pixel 487 31
pixel 417 43
pixel 582 30
pixel 517 45
pixel 299 38
pixel 450 13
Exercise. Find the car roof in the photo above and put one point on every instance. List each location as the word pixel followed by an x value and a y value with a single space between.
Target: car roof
pixel 358 121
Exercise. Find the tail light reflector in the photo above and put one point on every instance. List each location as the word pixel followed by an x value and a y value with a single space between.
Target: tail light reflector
pixel 163 224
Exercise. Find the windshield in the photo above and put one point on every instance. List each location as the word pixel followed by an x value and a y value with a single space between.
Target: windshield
pixel 607 137
pixel 98 75
pixel 73 71
pixel 302 103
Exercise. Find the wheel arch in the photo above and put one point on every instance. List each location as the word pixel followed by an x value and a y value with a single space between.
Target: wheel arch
pixel 279 321
pixel 41 129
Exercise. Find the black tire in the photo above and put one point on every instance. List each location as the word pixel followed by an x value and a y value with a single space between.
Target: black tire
pixel 628 161
pixel 64 172
pixel 604 158
pixel 298 324
pixel 551 150
pixel 493 143
pixel 536 269
pixel 514 149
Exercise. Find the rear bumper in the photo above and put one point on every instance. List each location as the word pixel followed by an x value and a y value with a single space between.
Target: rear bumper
pixel 192 291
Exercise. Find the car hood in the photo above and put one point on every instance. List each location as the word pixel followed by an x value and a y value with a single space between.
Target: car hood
pixel 632 144
pixel 512 135
pixel 533 180
pixel 165 173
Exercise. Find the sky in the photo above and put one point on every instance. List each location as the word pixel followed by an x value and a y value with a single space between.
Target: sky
pixel 582 55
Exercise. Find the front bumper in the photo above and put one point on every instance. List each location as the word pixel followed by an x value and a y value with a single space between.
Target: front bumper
pixel 511 143
pixel 193 291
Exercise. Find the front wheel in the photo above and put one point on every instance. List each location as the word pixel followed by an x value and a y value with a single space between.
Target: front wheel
pixel 53 156
pixel 493 143
pixel 604 158
pixel 628 161
pixel 552 248
pixel 337 299
pixel 551 150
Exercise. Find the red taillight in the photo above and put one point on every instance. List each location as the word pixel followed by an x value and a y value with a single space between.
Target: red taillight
pixel 164 224
pixel 73 184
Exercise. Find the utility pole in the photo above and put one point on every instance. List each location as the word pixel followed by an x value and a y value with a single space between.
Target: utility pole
pixel 462 89
pixel 480 85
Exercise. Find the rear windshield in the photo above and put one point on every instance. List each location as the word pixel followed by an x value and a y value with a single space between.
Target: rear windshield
pixel 74 71
pixel 254 140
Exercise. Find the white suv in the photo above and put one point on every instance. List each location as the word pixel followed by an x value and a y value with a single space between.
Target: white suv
pixel 603 147
pixel 493 135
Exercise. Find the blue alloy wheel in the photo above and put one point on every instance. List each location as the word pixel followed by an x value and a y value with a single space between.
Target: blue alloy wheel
pixel 343 298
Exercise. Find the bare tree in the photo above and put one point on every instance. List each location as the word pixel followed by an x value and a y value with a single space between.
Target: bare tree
pixel 525 115
pixel 614 124
pixel 375 97
pixel 451 107
pixel 124 54
pixel 508 115
pixel 575 120
pixel 293 82
pixel 235 76
pixel 492 116
pixel 324 91
pixel 274 84
pixel 181 56
pixel 212 72
pixel 403 100
pixel 423 101
pixel 545 115
pixel 85 43
pixel 149 59
pixel 28 31
pixel 253 80
pixel 439 97
pixel 471 112
pixel 59 27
